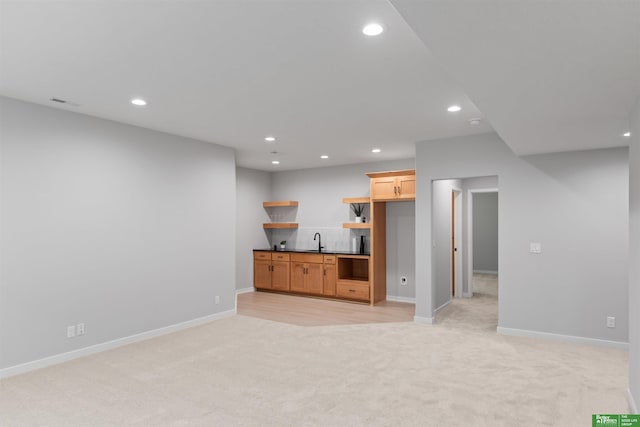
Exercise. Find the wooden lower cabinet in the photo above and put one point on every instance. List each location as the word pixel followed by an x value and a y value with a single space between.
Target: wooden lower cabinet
pixel 307 277
pixel 262 273
pixel 334 276
pixel 271 270
pixel 280 275
pixel 350 290
pixel 330 275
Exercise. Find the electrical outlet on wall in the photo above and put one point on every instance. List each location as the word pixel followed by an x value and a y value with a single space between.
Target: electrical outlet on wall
pixel 80 329
pixel 217 299
pixel 611 322
pixel 71 331
pixel 535 247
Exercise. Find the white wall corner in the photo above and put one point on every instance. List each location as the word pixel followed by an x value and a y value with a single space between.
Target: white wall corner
pixel 563 338
pixel 424 320
pixel 109 345
pixel 437 310
pixel 633 406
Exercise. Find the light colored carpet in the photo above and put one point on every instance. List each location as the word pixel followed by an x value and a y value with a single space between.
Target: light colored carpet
pixel 244 371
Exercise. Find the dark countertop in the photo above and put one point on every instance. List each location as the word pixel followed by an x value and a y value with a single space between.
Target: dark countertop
pixel 313 251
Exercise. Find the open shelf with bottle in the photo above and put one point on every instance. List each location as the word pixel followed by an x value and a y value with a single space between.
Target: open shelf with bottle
pixel 357 201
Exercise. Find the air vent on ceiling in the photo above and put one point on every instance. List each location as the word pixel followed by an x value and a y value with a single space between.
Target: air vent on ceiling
pixel 61 101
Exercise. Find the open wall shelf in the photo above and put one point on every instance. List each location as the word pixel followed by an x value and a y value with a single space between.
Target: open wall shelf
pixel 356 200
pixel 280 225
pixel 280 203
pixel 358 225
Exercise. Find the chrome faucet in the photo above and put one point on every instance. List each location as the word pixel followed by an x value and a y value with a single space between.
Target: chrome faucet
pixel 319 241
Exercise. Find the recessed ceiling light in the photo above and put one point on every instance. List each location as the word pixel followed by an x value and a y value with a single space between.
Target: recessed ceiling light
pixel 275 162
pixel 376 150
pixel 270 138
pixel 324 156
pixel 372 29
pixel 626 134
pixel 475 121
pixel 139 102
pixel 454 109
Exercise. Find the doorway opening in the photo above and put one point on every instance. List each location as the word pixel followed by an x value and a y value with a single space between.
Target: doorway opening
pixel 465 251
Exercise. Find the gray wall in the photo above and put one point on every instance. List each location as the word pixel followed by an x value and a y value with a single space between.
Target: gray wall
pixel 634 256
pixel 575 204
pixel 122 228
pixel 320 192
pixel 401 254
pixel 252 188
pixel 485 232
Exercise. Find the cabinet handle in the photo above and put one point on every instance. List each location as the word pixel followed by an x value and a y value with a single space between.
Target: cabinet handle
pixel 352 290
pixel 395 190
pixel 325 271
pixel 398 190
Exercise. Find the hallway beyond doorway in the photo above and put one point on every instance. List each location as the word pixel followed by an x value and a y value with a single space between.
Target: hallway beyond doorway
pixel 478 312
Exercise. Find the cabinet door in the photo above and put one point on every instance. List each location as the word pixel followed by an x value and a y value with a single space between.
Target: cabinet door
pixel 383 188
pixel 406 187
pixel 298 275
pixel 315 278
pixel 262 274
pixel 280 275
pixel 329 285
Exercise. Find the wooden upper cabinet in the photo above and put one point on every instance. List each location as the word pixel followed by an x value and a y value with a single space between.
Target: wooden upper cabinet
pixel 406 187
pixel 393 185
pixel 383 188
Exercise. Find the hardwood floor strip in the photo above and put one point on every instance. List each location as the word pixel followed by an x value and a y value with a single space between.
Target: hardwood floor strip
pixel 305 311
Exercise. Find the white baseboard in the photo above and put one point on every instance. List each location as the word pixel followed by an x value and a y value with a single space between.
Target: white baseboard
pixel 494 272
pixel 425 320
pixel 245 290
pixel 633 407
pixel 563 338
pixel 401 299
pixel 442 306
pixel 97 348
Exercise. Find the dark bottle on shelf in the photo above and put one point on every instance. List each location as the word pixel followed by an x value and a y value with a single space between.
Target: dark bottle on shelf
pixel 362 245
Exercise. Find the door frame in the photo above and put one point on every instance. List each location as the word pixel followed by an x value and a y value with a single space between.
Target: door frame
pixel 470 194
pixel 458 242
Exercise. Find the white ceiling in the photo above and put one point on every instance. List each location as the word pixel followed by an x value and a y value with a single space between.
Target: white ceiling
pixel 550 77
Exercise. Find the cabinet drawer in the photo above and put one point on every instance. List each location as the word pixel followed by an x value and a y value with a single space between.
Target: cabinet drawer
pixel 353 291
pixel 315 258
pixel 279 257
pixel 262 255
pixel 329 259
